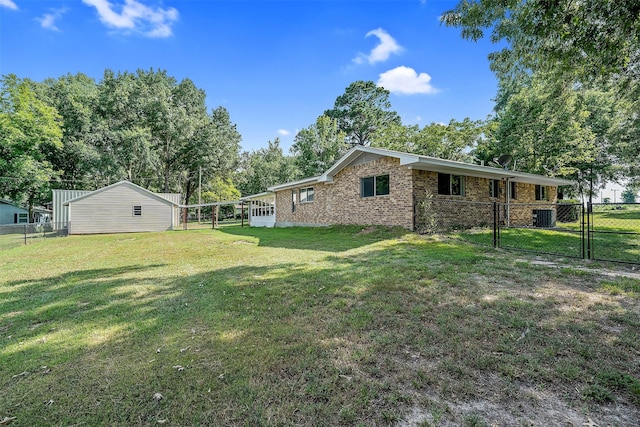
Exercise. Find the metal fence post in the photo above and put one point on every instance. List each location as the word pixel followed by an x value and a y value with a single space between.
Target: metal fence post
pixel 589 219
pixel 582 236
pixel 25 234
pixel 495 224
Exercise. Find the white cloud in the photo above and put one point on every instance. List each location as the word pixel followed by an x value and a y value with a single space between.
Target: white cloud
pixel 283 132
pixel 382 51
pixel 134 16
pixel 48 20
pixel 405 80
pixel 8 4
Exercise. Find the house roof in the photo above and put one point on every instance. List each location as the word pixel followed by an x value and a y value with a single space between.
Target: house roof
pixel 127 184
pixel 37 209
pixel 10 203
pixel 415 161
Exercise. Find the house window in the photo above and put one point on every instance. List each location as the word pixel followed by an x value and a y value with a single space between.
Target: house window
pixel 137 211
pixel 306 195
pixel 452 185
pixel 494 188
pixel 541 192
pixel 21 218
pixel 293 200
pixel 514 193
pixel 374 186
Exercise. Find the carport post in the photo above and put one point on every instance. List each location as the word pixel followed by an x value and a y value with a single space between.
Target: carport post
pixel 184 218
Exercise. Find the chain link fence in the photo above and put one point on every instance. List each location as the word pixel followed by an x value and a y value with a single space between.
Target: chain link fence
pixel 13 235
pixel 613 232
pixel 608 232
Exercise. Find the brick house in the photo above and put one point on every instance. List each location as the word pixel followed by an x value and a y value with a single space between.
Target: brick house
pixel 374 186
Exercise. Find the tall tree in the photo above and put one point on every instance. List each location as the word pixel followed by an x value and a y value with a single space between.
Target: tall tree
pixel 264 168
pixel 29 129
pixel 212 152
pixel 587 39
pixel 318 147
pixel 122 133
pixel 452 141
pixel 74 97
pixel 363 109
pixel 585 44
pixel 560 130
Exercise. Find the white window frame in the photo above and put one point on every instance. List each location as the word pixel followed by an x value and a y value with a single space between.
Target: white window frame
pixel 306 195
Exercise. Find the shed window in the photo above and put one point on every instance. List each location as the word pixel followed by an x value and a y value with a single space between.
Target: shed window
pixel 374 186
pixel 306 195
pixel 541 192
pixel 137 211
pixel 450 184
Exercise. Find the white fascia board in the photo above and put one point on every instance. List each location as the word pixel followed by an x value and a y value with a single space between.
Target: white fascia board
pixel 117 184
pixel 453 167
pixel 293 184
pixel 257 196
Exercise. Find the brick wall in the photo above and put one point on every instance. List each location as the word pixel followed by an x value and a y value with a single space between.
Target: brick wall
pixel 340 202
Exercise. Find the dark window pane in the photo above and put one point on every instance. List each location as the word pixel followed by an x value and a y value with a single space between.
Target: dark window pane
pixel 382 185
pixel 366 187
pixel 444 183
pixel 309 194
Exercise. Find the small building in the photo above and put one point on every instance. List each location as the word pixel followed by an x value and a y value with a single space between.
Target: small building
pixel 123 207
pixel 262 209
pixel 13 214
pixel 375 186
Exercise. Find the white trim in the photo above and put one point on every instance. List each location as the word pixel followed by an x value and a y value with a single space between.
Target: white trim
pixel 414 161
pixel 117 184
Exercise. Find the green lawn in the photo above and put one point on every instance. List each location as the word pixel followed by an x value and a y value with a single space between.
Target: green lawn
pixel 310 326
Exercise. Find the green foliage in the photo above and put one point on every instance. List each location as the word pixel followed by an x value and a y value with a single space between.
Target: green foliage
pixel 265 167
pixel 145 127
pixel 318 147
pixel 450 141
pixel 362 110
pixel 219 190
pixel 556 128
pixel 629 195
pixel 30 134
pixel 589 39
pixel 580 62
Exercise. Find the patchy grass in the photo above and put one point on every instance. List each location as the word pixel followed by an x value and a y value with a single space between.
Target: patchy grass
pixel 310 326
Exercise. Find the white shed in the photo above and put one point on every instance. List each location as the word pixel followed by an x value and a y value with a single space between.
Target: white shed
pixel 122 207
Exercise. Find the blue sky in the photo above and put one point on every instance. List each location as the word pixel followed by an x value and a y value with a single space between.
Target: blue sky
pixel 275 65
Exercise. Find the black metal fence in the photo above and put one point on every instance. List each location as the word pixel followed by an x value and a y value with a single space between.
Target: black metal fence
pixel 608 232
pixel 13 235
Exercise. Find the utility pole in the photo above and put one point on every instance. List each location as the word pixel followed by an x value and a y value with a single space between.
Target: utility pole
pixel 199 192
